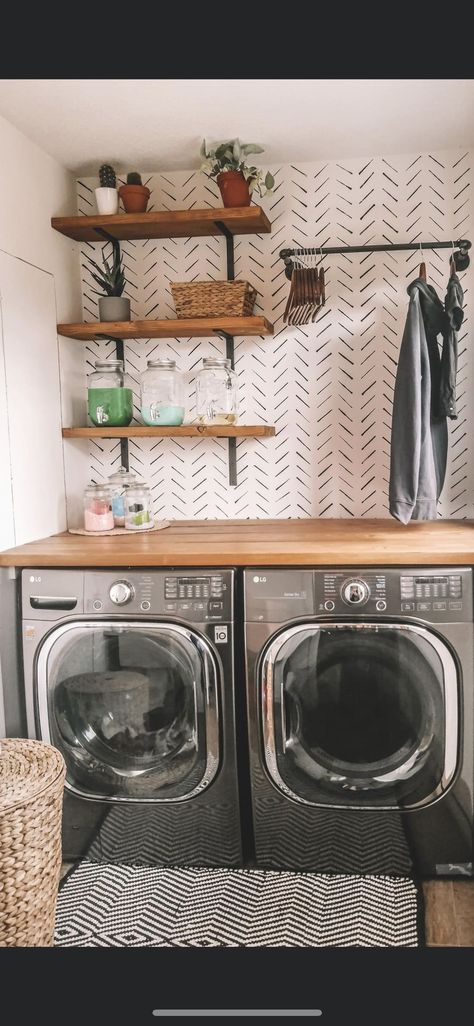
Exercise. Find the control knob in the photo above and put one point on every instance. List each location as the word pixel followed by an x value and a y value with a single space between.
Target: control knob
pixel 355 593
pixel 121 592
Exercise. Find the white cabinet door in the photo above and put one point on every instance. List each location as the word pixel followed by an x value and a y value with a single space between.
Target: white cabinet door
pixel 32 471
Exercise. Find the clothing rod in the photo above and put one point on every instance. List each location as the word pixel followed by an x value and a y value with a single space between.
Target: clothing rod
pixel 462 244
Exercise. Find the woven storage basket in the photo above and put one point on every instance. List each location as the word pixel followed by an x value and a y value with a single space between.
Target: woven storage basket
pixel 213 298
pixel 31 797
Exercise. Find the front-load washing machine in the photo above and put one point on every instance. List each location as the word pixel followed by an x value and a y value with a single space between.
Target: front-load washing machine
pixel 360 708
pixel 130 675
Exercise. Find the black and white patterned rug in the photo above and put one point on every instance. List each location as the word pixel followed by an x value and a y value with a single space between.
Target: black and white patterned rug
pixel 110 905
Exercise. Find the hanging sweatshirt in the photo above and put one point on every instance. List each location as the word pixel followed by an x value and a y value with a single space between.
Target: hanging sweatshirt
pixel 419 442
pixel 449 358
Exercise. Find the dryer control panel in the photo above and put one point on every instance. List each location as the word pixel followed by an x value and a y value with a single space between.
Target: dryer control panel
pixel 437 596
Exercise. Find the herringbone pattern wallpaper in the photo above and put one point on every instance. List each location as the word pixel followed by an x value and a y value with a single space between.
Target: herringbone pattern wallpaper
pixel 327 386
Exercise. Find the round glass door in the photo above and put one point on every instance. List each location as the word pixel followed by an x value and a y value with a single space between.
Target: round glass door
pixel 133 708
pixel 360 714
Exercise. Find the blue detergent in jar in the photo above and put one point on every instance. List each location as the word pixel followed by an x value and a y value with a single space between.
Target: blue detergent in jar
pixel 119 484
pixel 162 394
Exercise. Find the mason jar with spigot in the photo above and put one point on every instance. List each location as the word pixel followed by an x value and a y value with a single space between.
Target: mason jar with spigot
pixel 216 392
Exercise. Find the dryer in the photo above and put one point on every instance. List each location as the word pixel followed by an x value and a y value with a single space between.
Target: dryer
pixel 360 706
pixel 130 675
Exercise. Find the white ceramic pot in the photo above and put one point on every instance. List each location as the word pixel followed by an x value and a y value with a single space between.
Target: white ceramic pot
pixel 107 200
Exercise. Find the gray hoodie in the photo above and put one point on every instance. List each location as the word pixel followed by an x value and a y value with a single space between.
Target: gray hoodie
pixel 419 443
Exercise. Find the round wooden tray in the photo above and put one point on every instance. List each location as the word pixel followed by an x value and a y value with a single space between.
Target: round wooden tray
pixel 119 530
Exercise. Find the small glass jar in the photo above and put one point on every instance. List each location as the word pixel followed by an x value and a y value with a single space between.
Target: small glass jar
pixel 109 396
pixel 216 392
pixel 119 484
pixel 162 394
pixel 138 508
pixel 98 514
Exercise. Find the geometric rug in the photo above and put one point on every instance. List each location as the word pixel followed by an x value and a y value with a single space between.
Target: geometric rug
pixel 109 905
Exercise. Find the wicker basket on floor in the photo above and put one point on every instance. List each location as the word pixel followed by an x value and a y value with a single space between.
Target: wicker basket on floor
pixel 213 298
pixel 31 797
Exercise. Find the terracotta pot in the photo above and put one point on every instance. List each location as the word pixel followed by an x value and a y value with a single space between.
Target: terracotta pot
pixel 234 189
pixel 134 198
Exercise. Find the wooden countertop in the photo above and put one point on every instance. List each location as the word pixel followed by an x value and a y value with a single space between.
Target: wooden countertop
pixel 260 543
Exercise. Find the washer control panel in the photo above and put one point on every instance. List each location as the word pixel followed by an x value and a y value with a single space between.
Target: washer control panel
pixel 184 595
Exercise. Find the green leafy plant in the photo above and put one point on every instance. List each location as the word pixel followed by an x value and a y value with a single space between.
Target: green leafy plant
pixel 110 277
pixel 231 156
pixel 107 177
pixel 133 178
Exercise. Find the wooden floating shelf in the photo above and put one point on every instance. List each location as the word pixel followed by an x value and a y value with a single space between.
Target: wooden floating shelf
pixel 165 224
pixel 200 327
pixel 188 430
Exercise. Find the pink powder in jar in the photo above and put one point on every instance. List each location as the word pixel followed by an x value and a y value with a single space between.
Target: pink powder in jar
pixel 98 517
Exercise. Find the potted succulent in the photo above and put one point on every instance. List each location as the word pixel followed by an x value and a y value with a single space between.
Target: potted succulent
pixel 111 279
pixel 106 196
pixel 236 179
pixel 134 194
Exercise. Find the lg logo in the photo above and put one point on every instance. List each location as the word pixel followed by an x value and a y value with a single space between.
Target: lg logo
pixel 259 580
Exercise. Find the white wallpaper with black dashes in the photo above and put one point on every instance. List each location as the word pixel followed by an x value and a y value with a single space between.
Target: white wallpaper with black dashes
pixel 327 387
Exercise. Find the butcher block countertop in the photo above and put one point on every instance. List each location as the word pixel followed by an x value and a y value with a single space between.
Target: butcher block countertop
pixel 203 543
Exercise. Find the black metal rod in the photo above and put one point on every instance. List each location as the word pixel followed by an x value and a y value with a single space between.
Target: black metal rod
pixel 229 239
pixel 232 462
pixel 229 343
pixel 107 236
pixel 287 254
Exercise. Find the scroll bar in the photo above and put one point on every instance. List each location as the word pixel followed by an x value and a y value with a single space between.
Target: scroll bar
pixel 163 1012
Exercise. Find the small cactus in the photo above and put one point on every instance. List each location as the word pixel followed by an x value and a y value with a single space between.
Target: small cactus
pixel 107 177
pixel 133 178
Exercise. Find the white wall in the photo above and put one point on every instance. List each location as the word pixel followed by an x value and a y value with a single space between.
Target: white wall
pixel 33 188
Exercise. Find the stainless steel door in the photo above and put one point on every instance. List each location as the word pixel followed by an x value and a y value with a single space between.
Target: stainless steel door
pixel 360 714
pixel 133 706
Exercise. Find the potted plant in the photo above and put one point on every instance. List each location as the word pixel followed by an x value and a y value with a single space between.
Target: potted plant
pixel 106 196
pixel 236 179
pixel 111 279
pixel 134 195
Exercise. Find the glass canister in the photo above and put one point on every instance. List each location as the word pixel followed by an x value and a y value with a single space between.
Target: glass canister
pixel 109 397
pixel 138 508
pixel 162 394
pixel 119 483
pixel 98 514
pixel 216 392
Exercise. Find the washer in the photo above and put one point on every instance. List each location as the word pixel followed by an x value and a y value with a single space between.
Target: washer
pixel 130 675
pixel 360 707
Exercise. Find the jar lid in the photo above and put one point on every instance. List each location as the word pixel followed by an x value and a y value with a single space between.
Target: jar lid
pixel 163 364
pixel 139 488
pixel 216 361
pixel 122 477
pixel 97 489
pixel 111 365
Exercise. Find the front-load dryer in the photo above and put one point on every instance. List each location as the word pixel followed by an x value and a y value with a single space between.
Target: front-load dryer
pixel 130 675
pixel 360 709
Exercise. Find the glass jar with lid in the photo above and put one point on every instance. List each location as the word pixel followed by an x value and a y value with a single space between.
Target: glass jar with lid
pixel 119 484
pixel 162 394
pixel 98 514
pixel 138 507
pixel 216 392
pixel 109 396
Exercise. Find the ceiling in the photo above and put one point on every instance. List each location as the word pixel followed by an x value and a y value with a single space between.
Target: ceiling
pixel 157 124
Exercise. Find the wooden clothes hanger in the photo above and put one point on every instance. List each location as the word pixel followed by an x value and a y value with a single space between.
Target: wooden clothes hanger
pixel 422 271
